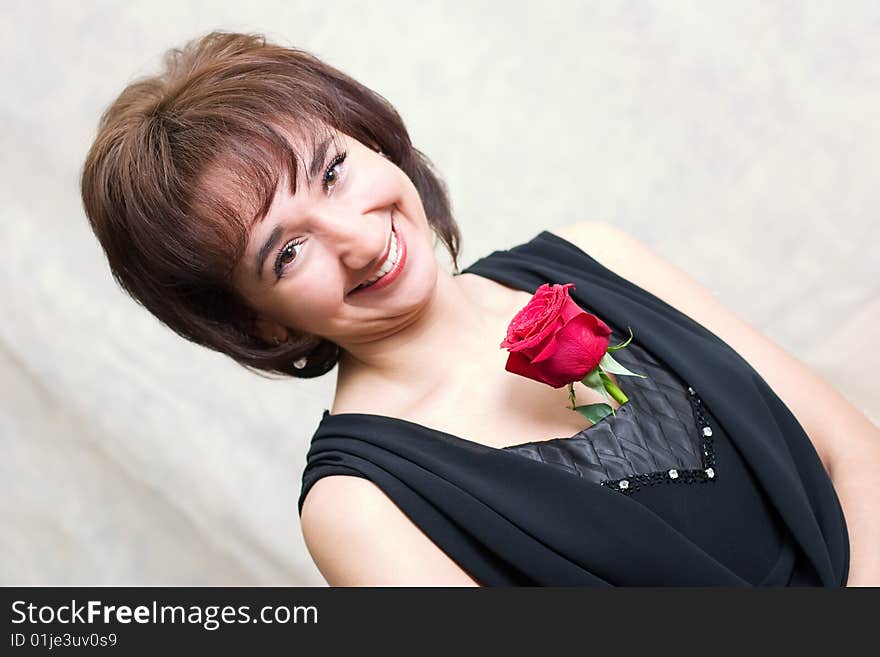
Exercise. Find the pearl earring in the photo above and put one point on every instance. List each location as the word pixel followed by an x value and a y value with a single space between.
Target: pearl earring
pixel 300 363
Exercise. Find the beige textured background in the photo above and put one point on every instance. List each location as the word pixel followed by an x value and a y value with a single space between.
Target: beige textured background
pixel 739 140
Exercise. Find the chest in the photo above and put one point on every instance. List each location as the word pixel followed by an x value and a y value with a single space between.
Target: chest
pixel 483 402
pixel 505 410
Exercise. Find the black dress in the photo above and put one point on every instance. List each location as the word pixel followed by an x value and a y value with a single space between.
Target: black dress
pixel 703 478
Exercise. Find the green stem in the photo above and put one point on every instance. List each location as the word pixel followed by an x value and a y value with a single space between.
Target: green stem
pixel 614 391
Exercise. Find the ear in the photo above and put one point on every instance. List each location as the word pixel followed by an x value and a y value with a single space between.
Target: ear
pixel 270 331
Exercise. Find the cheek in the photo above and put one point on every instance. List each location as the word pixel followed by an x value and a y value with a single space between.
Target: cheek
pixel 309 306
pixel 380 187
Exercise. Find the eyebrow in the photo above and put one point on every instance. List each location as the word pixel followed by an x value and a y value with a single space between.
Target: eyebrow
pixel 318 158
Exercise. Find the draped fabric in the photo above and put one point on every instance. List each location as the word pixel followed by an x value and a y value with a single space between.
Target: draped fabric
pixel 510 516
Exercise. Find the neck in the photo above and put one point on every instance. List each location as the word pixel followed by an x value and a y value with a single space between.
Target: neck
pixel 454 336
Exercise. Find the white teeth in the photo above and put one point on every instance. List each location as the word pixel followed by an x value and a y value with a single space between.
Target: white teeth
pixel 388 265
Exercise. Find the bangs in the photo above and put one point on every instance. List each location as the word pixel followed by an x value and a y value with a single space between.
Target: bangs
pixel 236 188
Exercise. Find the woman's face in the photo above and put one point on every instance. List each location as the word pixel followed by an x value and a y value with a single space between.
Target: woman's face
pixel 304 260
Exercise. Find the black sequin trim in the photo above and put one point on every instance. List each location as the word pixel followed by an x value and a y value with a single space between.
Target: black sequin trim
pixel 627 485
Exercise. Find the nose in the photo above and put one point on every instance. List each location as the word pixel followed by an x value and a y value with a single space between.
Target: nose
pixel 359 238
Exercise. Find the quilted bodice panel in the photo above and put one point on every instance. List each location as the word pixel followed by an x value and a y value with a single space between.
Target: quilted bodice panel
pixel 661 434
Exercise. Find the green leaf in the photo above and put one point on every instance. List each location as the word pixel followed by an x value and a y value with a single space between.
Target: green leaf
pixel 598 386
pixel 594 412
pixel 610 365
pixel 623 344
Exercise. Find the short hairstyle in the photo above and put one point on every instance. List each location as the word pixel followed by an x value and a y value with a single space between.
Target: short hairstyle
pixel 173 234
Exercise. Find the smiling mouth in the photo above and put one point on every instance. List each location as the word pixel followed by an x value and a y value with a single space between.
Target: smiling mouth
pixel 387 265
pixel 392 255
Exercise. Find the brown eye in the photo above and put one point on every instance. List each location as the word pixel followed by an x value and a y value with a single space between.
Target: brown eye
pixel 330 183
pixel 285 255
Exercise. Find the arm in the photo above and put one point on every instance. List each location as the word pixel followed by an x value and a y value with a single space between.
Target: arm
pixel 358 536
pixel 849 447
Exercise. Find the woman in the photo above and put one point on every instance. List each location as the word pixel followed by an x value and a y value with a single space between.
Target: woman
pixel 267 206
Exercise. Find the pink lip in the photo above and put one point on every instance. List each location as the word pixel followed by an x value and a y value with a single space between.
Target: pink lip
pixel 390 277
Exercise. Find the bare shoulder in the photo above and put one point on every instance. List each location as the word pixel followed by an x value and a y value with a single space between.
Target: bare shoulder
pixel 810 398
pixel 632 259
pixel 610 246
pixel 358 536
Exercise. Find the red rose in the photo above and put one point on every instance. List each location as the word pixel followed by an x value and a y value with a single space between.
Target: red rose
pixel 553 340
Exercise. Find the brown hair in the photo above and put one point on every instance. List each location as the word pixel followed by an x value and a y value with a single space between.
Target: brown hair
pixel 173 235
